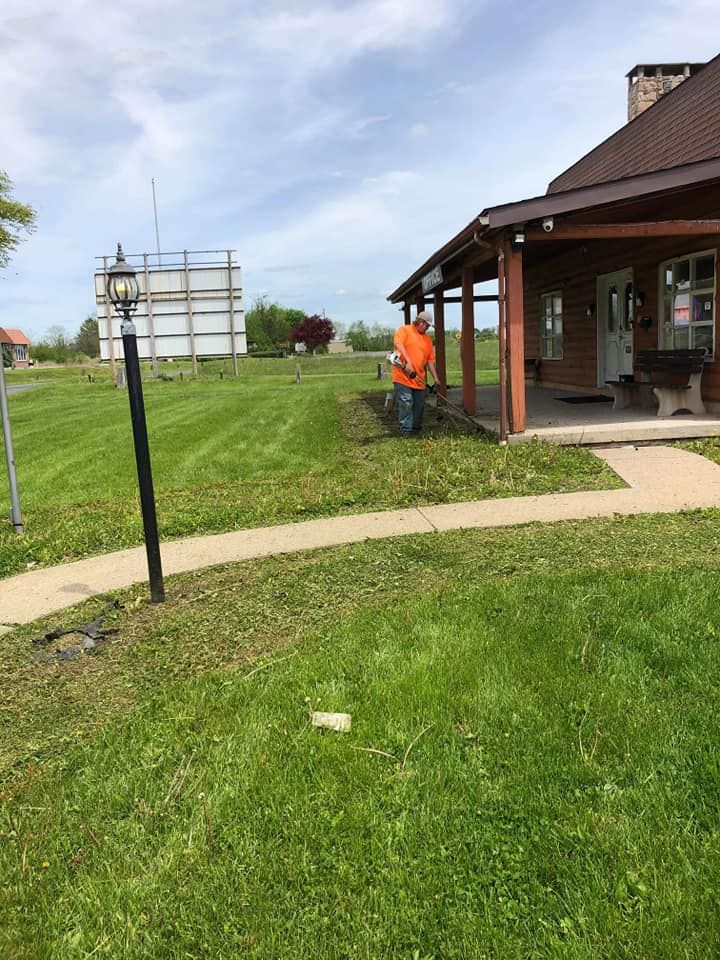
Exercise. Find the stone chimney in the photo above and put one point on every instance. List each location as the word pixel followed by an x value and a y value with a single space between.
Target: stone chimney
pixel 649 81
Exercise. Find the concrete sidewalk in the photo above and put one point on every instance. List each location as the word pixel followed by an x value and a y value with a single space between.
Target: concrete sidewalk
pixel 661 480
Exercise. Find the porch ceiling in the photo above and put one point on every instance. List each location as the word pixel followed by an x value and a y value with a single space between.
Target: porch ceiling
pixel 638 198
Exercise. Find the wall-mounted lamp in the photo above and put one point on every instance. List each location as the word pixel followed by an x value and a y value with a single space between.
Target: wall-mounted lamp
pixel 518 239
pixel 590 310
pixel 639 299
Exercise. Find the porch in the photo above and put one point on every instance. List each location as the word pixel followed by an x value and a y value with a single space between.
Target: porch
pixel 551 418
pixel 586 279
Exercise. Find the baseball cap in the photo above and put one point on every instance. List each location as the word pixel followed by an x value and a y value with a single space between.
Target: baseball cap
pixel 424 317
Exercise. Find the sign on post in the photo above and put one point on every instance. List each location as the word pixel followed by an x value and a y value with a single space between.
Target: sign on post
pixel 432 279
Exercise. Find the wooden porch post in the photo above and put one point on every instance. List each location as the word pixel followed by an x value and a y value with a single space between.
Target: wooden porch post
pixel 502 343
pixel 515 314
pixel 467 342
pixel 440 361
pixel 406 312
pixel 419 303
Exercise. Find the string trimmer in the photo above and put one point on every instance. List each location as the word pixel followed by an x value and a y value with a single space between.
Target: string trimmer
pixel 395 360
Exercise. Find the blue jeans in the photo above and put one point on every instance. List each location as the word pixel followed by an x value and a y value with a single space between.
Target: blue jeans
pixel 410 405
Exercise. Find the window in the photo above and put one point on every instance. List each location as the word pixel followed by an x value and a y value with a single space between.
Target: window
pixel 551 326
pixel 688 303
pixel 20 353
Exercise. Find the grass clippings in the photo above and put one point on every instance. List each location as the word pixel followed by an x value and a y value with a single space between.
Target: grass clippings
pixel 530 770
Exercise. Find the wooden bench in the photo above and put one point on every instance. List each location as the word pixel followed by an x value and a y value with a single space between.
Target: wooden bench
pixel 672 376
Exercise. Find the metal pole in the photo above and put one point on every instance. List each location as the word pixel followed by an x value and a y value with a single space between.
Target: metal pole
pixel 232 313
pixel 15 515
pixel 108 320
pixel 191 321
pixel 142 459
pixel 157 231
pixel 151 320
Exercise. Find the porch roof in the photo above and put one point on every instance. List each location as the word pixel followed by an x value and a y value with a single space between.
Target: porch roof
pixel 483 227
pixel 14 337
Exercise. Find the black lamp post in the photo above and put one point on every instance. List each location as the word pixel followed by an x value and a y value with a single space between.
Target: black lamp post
pixel 123 291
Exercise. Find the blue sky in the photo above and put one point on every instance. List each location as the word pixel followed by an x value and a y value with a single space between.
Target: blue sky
pixel 334 145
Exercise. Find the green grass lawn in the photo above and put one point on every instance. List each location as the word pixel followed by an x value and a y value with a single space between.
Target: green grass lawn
pixel 254 451
pixel 532 769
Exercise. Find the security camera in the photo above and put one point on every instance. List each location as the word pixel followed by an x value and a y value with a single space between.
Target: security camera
pixel 548 224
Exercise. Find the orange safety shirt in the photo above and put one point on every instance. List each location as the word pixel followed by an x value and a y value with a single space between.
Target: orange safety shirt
pixel 419 347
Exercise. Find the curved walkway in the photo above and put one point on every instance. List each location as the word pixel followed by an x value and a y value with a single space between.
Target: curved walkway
pixel 660 480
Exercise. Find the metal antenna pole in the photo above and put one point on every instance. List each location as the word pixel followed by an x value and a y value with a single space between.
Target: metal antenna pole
pixel 15 515
pixel 157 231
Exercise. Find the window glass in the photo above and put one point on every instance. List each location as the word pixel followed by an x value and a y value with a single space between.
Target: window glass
pixel 681 311
pixel 628 304
pixel 551 326
pixel 681 274
pixel 703 308
pixel 703 338
pixel 688 319
pixel 667 325
pixel 612 311
pixel 681 338
pixel 704 271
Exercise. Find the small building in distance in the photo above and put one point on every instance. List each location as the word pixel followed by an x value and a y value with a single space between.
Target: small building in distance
pixel 15 346
pixel 340 346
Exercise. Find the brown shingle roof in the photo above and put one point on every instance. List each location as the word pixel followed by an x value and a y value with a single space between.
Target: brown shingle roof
pixel 682 127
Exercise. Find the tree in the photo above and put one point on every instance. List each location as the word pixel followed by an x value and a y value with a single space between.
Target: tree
pixel 487 333
pixel 359 337
pixel 15 219
pixel 268 325
pixel 87 340
pixel 314 331
pixel 365 340
pixel 54 346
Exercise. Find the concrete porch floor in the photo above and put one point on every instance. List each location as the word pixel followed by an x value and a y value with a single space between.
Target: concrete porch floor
pixel 552 420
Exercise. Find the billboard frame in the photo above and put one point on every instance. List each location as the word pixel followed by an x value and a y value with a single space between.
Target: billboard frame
pixel 171 308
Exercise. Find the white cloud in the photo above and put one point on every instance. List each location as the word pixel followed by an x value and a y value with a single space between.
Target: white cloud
pixel 288 129
pixel 323 34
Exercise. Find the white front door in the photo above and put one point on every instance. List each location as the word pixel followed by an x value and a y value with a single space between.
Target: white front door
pixel 615 316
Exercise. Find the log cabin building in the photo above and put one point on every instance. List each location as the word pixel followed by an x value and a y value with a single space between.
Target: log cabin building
pixel 619 255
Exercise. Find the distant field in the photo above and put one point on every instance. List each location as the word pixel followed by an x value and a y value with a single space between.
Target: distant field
pixel 486 359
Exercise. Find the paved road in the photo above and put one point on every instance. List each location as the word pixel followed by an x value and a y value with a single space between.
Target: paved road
pixel 660 480
pixel 19 387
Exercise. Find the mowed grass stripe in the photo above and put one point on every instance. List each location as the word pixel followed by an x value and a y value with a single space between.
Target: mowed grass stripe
pixel 250 452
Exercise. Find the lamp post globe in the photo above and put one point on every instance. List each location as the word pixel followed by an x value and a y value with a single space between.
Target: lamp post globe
pixel 122 286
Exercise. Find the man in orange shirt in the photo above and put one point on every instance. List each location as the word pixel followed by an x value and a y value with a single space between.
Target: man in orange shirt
pixel 417 351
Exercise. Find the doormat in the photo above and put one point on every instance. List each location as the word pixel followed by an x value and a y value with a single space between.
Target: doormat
pixel 590 398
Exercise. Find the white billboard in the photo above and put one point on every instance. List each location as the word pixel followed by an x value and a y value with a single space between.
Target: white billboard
pixel 190 306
